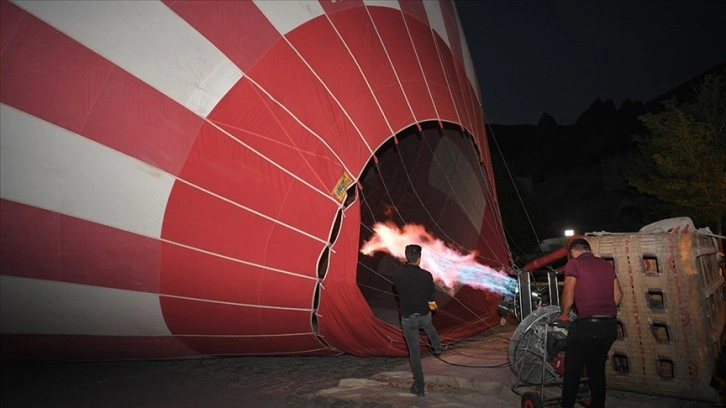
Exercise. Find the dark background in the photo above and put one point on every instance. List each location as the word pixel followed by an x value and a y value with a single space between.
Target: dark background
pixel 558 56
pixel 563 84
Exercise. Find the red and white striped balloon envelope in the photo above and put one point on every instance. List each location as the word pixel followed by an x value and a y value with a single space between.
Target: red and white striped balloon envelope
pixel 187 178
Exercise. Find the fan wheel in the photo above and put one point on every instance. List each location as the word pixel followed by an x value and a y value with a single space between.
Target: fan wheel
pixel 527 348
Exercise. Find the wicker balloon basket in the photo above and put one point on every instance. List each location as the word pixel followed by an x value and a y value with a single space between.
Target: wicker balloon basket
pixel 671 319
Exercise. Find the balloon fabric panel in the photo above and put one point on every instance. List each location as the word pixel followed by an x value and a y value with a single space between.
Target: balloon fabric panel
pixel 47 74
pixel 403 58
pixel 135 119
pixel 336 66
pixel 206 222
pixel 341 298
pixel 91 254
pixel 290 82
pixel 11 17
pixel 188 273
pixel 292 250
pixel 456 87
pixel 225 167
pixel 276 292
pixel 30 241
pixel 452 29
pixel 361 37
pixel 200 317
pixel 428 55
pixel 237 28
pixel 269 130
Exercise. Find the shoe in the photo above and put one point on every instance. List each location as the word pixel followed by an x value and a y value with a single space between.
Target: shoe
pixel 415 391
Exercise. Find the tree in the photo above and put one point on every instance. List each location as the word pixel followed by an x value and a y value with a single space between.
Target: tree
pixel 683 154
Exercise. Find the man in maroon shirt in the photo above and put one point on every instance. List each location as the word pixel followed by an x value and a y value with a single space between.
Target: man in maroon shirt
pixel 592 289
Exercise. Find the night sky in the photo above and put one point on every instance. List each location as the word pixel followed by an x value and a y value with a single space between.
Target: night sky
pixel 558 56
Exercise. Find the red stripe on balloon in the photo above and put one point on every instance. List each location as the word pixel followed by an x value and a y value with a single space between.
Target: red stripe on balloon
pixel 222 165
pixel 251 181
pixel 51 76
pixel 11 16
pixel 48 347
pixel 271 295
pixel 193 317
pixel 199 220
pixel 329 58
pixel 135 119
pixel 360 35
pixel 284 75
pixel 423 40
pixel 200 275
pixel 41 244
pixel 460 86
pixel 237 28
pixel 265 127
pixel 403 57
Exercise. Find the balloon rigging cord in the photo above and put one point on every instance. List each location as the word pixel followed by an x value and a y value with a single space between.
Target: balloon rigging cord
pixel 511 179
pixel 482 174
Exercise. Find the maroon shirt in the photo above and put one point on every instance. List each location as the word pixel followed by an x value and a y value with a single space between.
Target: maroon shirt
pixel 595 285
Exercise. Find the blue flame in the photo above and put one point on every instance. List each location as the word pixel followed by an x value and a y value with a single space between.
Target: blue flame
pixel 450 269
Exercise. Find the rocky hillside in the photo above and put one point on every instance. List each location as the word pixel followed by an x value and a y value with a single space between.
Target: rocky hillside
pixel 572 176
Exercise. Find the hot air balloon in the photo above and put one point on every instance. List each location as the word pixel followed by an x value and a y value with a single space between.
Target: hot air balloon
pixel 191 178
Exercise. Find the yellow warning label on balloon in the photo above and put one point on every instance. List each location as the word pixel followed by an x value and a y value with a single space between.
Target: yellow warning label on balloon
pixel 341 187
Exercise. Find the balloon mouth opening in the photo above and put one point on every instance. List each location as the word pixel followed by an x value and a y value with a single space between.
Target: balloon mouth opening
pixel 417 178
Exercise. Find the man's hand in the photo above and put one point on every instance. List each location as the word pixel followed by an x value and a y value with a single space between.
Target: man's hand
pixel 563 322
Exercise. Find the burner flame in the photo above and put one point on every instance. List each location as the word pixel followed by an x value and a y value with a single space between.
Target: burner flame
pixel 448 266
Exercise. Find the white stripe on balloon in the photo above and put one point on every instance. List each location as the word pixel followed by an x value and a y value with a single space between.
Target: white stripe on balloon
pixel 285 16
pixel 35 306
pixel 150 41
pixel 49 167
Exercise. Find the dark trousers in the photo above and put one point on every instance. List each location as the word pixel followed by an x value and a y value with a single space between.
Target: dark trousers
pixel 411 326
pixel 588 344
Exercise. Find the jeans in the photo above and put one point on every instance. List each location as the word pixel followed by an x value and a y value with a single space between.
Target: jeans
pixel 411 326
pixel 588 344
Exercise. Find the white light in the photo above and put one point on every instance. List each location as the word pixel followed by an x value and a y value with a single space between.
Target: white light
pixel 569 233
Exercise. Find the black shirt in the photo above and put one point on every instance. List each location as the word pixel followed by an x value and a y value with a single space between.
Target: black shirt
pixel 415 288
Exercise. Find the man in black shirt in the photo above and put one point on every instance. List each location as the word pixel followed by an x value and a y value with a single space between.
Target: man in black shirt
pixel 416 290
